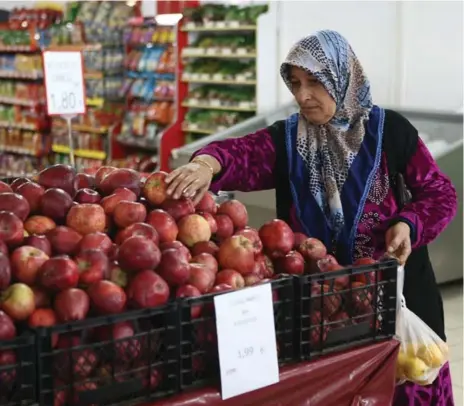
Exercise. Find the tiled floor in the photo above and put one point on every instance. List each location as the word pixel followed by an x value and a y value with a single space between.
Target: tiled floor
pixel 453 303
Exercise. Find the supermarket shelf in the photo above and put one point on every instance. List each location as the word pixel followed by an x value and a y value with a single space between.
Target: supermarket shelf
pixel 20 126
pixel 211 106
pixel 93 75
pixel 134 142
pixel 217 54
pixel 75 47
pixel 221 82
pixel 19 102
pixel 95 102
pixel 81 128
pixel 21 75
pixel 20 151
pixel 196 130
pixel 82 153
pixel 18 48
pixel 218 27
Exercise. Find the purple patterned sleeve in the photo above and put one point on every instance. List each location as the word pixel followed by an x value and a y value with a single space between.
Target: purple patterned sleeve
pixel 434 201
pixel 247 163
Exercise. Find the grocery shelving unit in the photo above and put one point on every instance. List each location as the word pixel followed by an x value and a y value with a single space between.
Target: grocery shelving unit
pixel 219 67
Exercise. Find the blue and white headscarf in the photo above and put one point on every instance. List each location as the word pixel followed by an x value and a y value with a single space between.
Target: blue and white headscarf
pixel 329 150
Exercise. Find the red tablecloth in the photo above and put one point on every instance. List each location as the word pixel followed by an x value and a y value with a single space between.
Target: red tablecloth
pixel 360 377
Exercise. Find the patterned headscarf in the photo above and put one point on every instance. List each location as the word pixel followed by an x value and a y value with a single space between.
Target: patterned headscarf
pixel 329 150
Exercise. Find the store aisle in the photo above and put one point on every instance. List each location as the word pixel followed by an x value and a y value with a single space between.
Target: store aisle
pixel 453 304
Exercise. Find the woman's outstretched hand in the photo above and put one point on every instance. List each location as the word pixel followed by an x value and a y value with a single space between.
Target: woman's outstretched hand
pixel 398 241
pixel 191 180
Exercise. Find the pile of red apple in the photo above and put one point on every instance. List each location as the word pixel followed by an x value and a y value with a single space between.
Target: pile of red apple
pixel 73 246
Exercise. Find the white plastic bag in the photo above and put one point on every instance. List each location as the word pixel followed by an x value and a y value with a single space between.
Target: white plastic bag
pixel 422 352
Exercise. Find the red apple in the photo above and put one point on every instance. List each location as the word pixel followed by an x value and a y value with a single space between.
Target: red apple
pixel 208 260
pixel 183 250
pixel 312 250
pixel 59 273
pixel 174 268
pixel 127 213
pixel 93 266
pixel 318 331
pixel 193 228
pixel 17 183
pixel 8 370
pixel 26 262
pixel 211 221
pixel 121 178
pixel 164 224
pixel 277 238
pixel 251 279
pixel 138 253
pixel 107 298
pixel 39 241
pixel 7 327
pixel 208 247
pixel 71 305
pixel 41 297
pixel 11 229
pixel 361 298
pixel 324 264
pixel 331 299
pixel 154 189
pixel 147 289
pixel 201 277
pixel 266 267
pixel 190 291
pixel 113 252
pixel 207 204
pixel 64 240
pixel 87 196
pixel 16 204
pixel 178 208
pixel 101 174
pixel 367 278
pixel 137 230
pixel 341 281
pixel 3 248
pixel 55 203
pixel 86 218
pixel 118 276
pixel 97 241
pixel 17 301
pixel 222 287
pixel 110 202
pixel 236 211
pixel 293 263
pixel 39 225
pixel 5 271
pixel 5 188
pixel 32 192
pixel 253 235
pixel 84 181
pixel 225 227
pixel 230 277
pixel 42 318
pixel 299 238
pixel 237 253
pixel 58 176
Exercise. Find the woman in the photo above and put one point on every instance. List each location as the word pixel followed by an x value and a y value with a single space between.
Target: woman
pixel 333 181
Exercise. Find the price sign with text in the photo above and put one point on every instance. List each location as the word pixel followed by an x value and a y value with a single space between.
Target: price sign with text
pixel 246 340
pixel 64 82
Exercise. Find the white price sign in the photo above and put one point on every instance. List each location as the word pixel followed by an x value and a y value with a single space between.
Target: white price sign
pixel 64 82
pixel 246 340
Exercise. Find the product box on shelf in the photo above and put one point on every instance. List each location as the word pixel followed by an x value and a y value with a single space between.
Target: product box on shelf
pixel 110 359
pixel 199 363
pixel 18 371
pixel 342 309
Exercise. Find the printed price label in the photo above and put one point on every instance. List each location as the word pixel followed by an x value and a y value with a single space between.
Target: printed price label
pixel 64 82
pixel 246 340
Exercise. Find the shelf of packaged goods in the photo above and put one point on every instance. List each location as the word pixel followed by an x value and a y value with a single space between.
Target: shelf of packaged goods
pixel 20 151
pixel 211 106
pixel 75 47
pixel 218 54
pixel 93 75
pixel 95 102
pixel 12 175
pixel 81 153
pixel 219 26
pixel 197 130
pixel 9 74
pixel 81 128
pixel 19 102
pixel 220 82
pixel 19 126
pixel 134 142
pixel 18 48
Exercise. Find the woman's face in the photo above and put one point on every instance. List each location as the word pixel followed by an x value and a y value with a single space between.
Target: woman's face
pixel 316 105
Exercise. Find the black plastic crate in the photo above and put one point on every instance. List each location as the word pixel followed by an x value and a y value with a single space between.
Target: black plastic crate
pixel 346 308
pixel 107 360
pixel 199 363
pixel 18 371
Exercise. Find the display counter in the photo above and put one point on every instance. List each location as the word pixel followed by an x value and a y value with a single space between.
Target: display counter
pixel 363 376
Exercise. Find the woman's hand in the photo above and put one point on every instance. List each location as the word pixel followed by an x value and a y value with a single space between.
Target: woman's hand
pixel 398 241
pixel 191 181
